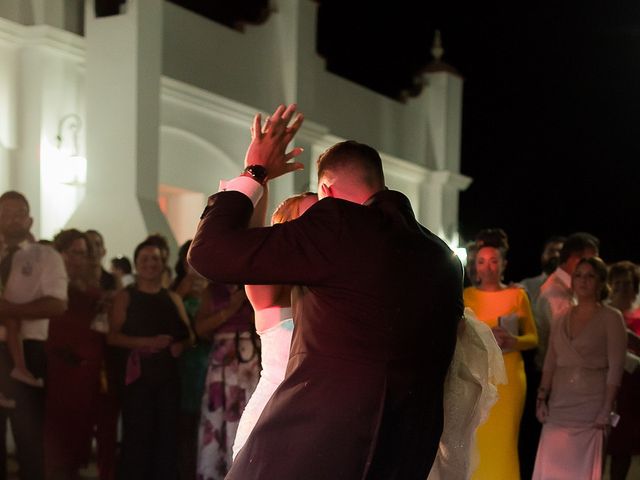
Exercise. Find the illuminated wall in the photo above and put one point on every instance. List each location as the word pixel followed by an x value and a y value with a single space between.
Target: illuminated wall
pixel 213 80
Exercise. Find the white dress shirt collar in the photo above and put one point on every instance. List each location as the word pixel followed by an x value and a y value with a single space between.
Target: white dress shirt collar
pixel 563 276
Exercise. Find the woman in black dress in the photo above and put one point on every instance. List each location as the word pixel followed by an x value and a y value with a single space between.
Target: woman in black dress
pixel 149 323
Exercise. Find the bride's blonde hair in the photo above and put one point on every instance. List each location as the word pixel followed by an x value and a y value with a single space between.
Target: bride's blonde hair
pixel 289 209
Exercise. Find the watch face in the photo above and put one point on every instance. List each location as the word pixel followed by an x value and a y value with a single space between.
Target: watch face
pixel 257 172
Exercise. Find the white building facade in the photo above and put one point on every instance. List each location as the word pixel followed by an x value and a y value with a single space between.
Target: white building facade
pixel 127 127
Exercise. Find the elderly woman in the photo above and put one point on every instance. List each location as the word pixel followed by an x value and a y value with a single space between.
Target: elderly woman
pixel 582 371
pixel 507 312
pixel 149 324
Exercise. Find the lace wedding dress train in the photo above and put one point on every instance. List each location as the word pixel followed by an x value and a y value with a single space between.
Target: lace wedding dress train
pixel 470 392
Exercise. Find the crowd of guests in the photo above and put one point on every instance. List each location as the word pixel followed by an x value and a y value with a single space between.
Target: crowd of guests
pixel 87 353
pixel 174 359
pixel 569 338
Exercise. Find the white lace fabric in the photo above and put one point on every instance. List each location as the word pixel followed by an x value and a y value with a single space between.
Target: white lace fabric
pixel 470 392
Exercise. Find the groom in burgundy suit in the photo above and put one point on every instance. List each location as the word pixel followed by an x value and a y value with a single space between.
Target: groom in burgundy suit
pixel 378 303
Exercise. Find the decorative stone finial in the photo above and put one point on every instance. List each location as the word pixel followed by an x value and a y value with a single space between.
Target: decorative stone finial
pixel 437 65
pixel 436 49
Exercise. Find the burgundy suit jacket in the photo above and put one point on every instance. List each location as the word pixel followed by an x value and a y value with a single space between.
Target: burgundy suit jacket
pixel 375 328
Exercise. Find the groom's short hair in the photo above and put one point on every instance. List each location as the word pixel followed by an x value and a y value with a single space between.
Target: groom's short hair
pixel 353 157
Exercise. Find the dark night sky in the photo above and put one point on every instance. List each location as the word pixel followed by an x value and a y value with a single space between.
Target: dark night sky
pixel 551 131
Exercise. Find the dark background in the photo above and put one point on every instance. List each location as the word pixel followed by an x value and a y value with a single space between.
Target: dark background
pixel 551 111
pixel 551 131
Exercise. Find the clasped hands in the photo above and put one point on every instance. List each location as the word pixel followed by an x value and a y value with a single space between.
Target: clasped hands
pixel 162 341
pixel 269 140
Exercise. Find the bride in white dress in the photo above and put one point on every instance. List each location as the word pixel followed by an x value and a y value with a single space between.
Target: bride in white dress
pixel 274 323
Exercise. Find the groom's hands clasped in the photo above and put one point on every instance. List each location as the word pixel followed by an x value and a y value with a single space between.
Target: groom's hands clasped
pixel 269 141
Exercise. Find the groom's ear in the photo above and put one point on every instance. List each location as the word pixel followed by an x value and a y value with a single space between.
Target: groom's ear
pixel 326 190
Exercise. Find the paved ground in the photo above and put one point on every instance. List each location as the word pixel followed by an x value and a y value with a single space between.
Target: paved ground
pixel 91 473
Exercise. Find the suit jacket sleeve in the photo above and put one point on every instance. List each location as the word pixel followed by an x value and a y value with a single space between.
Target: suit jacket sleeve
pixel 300 252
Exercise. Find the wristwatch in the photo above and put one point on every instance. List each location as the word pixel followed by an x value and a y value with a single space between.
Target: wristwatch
pixel 257 172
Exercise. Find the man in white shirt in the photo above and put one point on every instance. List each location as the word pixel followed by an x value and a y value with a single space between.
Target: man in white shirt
pixel 35 289
pixel 556 296
pixel 549 262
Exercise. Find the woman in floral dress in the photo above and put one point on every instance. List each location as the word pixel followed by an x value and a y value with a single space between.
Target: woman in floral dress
pixel 226 317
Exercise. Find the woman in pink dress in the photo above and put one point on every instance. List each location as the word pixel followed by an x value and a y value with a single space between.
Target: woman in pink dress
pixel 580 379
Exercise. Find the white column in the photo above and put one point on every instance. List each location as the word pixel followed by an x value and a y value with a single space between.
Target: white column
pixel 440 202
pixel 5 171
pixel 9 55
pixel 444 101
pixel 26 167
pixel 123 94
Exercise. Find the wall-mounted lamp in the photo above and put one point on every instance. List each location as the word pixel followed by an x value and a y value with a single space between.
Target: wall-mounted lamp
pixel 63 174
pixel 67 136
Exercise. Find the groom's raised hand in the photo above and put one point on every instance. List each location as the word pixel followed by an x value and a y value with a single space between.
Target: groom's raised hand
pixel 269 142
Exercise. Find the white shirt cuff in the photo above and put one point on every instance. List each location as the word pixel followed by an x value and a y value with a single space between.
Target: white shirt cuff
pixel 242 184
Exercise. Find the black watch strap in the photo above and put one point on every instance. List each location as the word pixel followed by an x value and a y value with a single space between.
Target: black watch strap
pixel 257 172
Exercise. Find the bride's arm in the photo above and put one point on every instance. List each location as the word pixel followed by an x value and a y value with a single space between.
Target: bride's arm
pixel 264 296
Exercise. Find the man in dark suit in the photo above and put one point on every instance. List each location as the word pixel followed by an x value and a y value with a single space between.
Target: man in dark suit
pixel 376 311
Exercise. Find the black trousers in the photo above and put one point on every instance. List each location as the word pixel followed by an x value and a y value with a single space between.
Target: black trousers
pixel 150 430
pixel 27 419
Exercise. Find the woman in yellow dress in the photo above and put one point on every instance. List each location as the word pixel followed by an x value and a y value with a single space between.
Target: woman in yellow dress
pixel 507 312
